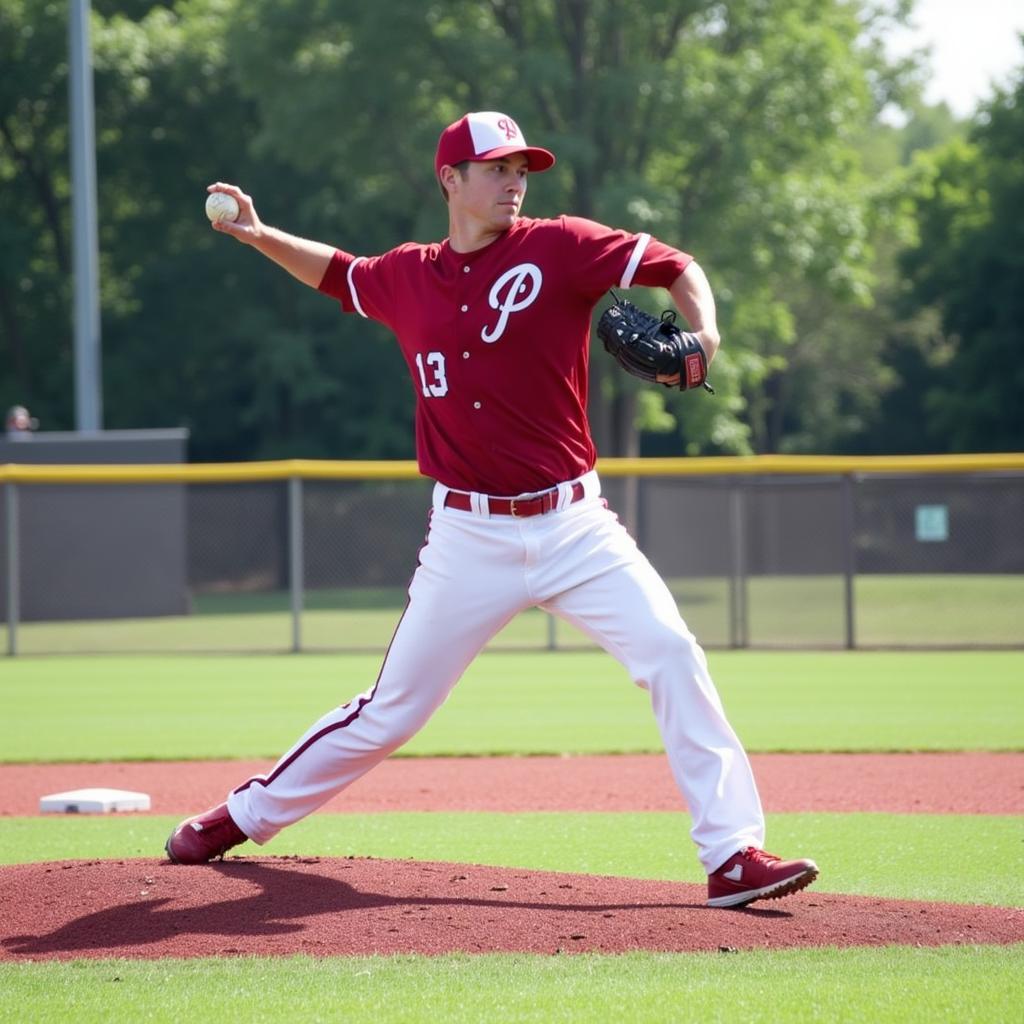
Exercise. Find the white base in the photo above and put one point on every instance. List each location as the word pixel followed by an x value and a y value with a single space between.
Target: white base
pixel 94 801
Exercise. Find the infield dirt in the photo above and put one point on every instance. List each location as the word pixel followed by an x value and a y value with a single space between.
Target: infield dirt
pixel 146 909
pixel 940 783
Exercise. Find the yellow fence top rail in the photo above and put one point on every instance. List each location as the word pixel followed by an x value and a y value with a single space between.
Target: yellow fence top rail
pixel 752 465
pixel 310 469
pixel 208 472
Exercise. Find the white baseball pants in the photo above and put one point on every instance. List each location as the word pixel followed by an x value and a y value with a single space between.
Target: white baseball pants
pixel 475 573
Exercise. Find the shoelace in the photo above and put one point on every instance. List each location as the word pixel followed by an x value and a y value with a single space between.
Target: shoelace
pixel 760 856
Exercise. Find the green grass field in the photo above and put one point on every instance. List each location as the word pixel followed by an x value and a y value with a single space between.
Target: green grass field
pixel 783 611
pixel 920 986
pixel 161 708
pixel 95 708
pixel 885 855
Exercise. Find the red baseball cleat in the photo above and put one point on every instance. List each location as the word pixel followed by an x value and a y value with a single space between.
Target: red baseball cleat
pixel 208 835
pixel 753 874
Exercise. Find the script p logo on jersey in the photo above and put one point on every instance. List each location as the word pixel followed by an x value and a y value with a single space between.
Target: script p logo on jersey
pixel 511 293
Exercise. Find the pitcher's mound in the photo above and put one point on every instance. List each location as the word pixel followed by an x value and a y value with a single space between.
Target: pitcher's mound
pixel 339 907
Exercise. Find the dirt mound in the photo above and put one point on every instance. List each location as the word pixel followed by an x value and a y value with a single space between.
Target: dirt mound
pixel 145 909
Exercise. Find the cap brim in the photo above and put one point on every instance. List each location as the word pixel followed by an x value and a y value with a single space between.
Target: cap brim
pixel 537 159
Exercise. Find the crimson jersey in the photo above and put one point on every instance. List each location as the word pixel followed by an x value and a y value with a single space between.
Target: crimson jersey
pixel 496 341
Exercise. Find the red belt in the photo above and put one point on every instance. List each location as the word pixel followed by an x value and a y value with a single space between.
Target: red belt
pixel 521 508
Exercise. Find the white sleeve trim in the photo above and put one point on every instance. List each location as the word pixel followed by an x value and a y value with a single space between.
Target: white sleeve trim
pixel 352 287
pixel 634 260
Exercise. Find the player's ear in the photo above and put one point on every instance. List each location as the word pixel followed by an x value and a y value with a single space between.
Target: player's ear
pixel 450 178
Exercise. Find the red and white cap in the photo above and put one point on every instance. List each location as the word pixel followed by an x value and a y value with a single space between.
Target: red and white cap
pixel 487 135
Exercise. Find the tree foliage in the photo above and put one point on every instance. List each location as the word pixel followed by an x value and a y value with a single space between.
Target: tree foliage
pixel 35 243
pixel 968 266
pixel 736 132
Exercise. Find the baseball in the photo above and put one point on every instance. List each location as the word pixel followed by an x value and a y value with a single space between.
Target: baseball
pixel 221 206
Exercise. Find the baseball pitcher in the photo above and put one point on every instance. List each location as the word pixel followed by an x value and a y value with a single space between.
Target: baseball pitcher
pixel 494 326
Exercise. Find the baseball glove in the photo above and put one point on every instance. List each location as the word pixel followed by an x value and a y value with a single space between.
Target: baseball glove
pixel 650 348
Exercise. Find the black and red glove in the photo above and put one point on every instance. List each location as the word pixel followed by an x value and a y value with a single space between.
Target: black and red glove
pixel 653 349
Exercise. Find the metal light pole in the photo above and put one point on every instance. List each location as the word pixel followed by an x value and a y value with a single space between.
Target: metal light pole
pixel 85 255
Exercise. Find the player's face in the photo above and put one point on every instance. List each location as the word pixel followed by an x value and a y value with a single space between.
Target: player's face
pixel 493 191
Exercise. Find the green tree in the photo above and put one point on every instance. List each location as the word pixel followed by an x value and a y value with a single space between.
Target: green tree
pixel 35 242
pixel 848 358
pixel 968 266
pixel 195 332
pixel 226 344
pixel 727 130
pixel 733 131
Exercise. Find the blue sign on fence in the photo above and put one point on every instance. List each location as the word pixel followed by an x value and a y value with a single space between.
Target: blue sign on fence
pixel 931 523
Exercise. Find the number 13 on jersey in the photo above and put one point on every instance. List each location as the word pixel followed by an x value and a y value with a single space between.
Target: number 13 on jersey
pixel 437 384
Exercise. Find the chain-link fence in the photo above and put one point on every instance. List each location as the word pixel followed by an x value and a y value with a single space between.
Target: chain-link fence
pixel 851 559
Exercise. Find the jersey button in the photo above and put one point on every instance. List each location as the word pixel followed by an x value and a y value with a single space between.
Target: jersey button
pixel 476 405
pixel 465 355
pixel 465 270
pixel 465 309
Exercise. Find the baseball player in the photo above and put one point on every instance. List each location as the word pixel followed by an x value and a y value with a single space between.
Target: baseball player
pixel 494 325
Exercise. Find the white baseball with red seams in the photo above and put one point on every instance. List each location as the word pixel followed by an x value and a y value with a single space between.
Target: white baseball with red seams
pixel 497 345
pixel 221 206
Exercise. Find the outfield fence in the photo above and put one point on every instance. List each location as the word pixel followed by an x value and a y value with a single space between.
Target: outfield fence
pixel 765 551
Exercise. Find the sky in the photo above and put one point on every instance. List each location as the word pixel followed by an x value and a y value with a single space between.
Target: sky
pixel 972 41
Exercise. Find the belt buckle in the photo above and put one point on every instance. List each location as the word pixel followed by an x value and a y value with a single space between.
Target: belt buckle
pixel 544 500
